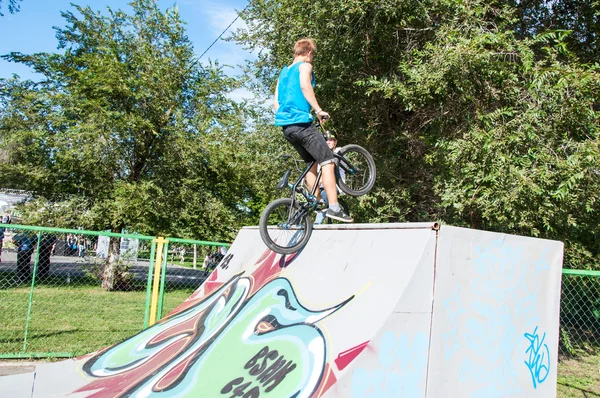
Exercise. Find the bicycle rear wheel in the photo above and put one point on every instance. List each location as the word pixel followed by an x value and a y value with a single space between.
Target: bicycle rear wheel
pixel 284 228
pixel 355 172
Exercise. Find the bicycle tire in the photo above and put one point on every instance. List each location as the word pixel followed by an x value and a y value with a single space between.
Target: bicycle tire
pixel 356 154
pixel 297 242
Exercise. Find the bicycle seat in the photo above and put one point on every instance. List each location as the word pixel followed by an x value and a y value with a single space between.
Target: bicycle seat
pixel 283 183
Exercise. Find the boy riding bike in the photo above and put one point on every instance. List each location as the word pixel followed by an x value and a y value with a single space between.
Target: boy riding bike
pixel 294 96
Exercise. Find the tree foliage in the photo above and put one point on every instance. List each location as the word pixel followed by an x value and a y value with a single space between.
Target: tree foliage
pixel 579 17
pixel 127 130
pixel 476 112
pixel 13 6
pixel 481 114
pixel 125 124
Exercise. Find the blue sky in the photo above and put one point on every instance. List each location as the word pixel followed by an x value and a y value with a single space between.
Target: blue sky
pixel 31 29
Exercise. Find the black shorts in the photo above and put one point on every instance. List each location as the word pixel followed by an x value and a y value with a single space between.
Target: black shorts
pixel 309 143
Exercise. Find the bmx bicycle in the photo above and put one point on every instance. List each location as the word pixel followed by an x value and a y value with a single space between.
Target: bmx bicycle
pixel 286 223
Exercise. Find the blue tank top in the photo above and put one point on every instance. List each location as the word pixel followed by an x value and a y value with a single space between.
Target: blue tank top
pixel 293 107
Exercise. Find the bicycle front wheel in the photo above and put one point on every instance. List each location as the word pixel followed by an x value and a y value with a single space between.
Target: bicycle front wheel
pixel 355 172
pixel 284 228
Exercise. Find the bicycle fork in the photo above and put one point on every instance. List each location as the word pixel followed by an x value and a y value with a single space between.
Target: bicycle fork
pixel 295 216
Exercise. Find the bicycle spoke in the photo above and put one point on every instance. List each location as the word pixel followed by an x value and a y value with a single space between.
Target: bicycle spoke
pixel 355 169
pixel 287 225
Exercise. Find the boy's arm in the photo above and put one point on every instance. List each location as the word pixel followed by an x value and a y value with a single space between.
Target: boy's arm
pixel 276 100
pixel 307 89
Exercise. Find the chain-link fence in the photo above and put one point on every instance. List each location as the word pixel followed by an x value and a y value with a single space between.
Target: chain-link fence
pixel 580 312
pixel 187 266
pixel 579 349
pixel 65 292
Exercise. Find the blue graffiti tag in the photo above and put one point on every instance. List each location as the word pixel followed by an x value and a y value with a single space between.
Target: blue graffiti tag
pixel 539 357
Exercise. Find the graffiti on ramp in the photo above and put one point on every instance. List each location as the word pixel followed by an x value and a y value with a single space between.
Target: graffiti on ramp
pixel 248 337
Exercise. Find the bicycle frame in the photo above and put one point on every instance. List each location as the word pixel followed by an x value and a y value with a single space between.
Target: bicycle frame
pixel 311 198
pixel 342 163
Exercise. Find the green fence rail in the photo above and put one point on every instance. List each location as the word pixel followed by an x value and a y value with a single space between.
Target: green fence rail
pixel 57 298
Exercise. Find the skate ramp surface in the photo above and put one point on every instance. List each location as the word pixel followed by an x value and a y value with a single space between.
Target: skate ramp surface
pixel 365 310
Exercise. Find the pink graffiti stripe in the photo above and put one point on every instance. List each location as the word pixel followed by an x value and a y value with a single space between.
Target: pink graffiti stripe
pixel 344 358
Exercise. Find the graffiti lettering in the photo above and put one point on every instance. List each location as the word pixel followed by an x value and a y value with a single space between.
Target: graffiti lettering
pixel 539 357
pixel 225 262
pixel 239 391
pixel 268 376
pixel 280 370
pixel 263 353
pixel 274 373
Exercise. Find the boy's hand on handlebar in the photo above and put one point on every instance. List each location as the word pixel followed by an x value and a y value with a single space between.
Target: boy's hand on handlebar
pixel 322 116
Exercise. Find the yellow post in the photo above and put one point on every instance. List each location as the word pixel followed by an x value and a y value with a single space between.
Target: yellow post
pixel 155 285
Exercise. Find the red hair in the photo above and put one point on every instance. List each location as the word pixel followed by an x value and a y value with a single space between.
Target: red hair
pixel 304 46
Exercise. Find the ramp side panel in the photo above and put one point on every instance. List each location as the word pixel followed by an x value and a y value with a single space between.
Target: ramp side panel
pixel 496 315
pixel 371 267
pixel 394 364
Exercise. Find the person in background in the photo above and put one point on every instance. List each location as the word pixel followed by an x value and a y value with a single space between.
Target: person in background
pixel 81 246
pixel 1 241
pixel 25 242
pixel 47 242
pixel 6 218
pixel 331 139
pixel 71 245
pixel 181 255
pixel 206 261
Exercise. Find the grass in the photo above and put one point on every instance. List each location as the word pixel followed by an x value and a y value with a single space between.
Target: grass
pixel 579 375
pixel 77 318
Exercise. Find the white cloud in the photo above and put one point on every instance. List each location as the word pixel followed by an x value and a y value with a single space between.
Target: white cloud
pixel 209 19
pixel 220 16
pixel 240 95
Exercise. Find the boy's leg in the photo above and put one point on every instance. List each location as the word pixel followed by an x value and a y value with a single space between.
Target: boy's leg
pixel 311 145
pixel 329 184
pixel 334 211
pixel 314 143
pixel 321 214
pixel 311 177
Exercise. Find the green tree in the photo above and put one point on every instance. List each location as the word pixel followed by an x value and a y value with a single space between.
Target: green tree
pixel 579 17
pixel 126 130
pixel 13 6
pixel 470 120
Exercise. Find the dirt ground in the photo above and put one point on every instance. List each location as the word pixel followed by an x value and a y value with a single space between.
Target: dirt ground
pixel 14 367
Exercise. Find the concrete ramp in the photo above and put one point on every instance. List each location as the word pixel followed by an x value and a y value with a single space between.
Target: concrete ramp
pixel 396 310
